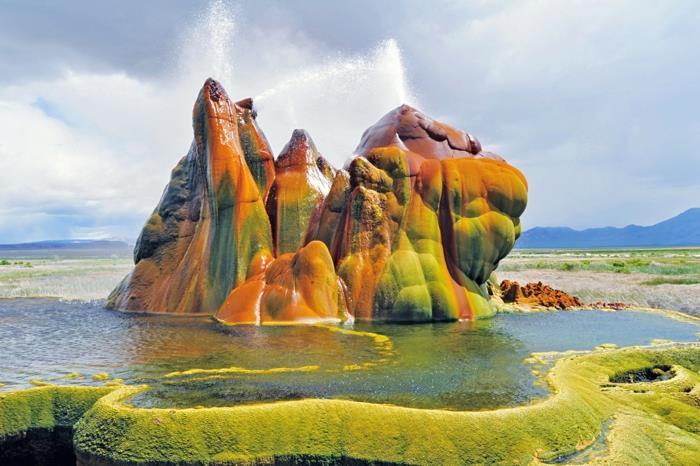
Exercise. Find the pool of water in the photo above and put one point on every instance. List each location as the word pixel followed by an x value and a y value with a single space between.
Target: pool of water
pixel 451 366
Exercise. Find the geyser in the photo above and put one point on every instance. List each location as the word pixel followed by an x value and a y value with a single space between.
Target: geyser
pixel 409 230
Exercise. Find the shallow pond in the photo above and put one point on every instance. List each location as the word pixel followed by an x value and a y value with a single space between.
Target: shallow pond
pixel 453 366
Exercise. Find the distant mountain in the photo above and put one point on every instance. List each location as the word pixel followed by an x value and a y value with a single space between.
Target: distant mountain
pixel 68 244
pixel 681 230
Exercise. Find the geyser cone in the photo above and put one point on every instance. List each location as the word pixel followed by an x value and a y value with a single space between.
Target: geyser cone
pixel 426 219
pixel 210 226
pixel 258 154
pixel 303 179
pixel 409 231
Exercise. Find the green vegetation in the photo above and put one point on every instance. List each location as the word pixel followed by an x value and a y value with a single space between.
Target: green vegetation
pixel 101 376
pixel 327 430
pixel 673 262
pixel 614 275
pixel 17 263
pixel 672 281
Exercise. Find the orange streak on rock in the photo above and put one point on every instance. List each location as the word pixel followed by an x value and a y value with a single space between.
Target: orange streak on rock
pixel 295 286
pixel 209 226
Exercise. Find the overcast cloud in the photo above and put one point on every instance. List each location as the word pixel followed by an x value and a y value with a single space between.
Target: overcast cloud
pixel 596 102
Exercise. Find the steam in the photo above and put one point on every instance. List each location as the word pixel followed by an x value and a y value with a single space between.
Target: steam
pixel 333 97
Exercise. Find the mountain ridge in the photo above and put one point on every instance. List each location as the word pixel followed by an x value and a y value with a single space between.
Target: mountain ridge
pixel 681 230
pixel 66 244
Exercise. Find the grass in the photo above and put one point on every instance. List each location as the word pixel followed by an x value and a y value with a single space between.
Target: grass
pixel 664 278
pixel 18 263
pixel 671 281
pixel 63 277
pixel 566 263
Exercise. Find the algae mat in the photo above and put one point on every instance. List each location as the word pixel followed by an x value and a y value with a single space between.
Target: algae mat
pixel 587 418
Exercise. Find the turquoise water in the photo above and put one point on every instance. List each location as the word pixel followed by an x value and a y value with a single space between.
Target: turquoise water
pixel 451 366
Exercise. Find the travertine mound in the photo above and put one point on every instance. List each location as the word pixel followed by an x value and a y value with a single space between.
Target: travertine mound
pixel 409 230
pixel 295 286
pixel 210 230
pixel 537 294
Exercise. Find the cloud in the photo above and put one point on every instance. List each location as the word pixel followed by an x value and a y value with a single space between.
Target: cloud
pixel 87 154
pixel 594 101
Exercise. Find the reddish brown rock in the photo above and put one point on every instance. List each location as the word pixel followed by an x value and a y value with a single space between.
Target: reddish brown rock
pixel 537 294
pixel 412 131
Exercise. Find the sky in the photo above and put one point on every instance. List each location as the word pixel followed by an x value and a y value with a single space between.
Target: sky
pixel 596 102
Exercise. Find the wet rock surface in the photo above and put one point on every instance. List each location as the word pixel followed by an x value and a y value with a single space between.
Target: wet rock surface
pixel 303 180
pixel 408 231
pixel 210 226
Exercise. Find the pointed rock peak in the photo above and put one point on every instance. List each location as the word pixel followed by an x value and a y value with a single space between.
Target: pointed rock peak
pixel 301 137
pixel 213 90
pixel 410 129
pixel 212 102
pixel 299 151
pixel 246 105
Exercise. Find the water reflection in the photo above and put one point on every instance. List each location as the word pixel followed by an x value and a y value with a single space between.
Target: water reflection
pixel 450 366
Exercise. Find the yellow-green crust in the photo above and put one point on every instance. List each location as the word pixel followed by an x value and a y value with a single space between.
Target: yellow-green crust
pixel 647 422
pixel 45 407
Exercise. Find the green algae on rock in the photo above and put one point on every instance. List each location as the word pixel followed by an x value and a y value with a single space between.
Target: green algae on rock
pixel 302 181
pixel 36 424
pixel 45 407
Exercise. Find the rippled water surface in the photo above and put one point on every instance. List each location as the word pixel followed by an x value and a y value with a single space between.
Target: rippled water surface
pixel 454 366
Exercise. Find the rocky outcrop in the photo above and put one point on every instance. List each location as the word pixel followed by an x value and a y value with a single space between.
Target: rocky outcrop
pixel 426 220
pixel 256 149
pixel 210 230
pixel 409 230
pixel 537 294
pixel 295 286
pixel 303 179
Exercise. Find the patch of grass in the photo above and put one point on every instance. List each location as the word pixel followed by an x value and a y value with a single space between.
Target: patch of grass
pixel 568 266
pixel 656 262
pixel 18 263
pixel 81 278
pixel 671 281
